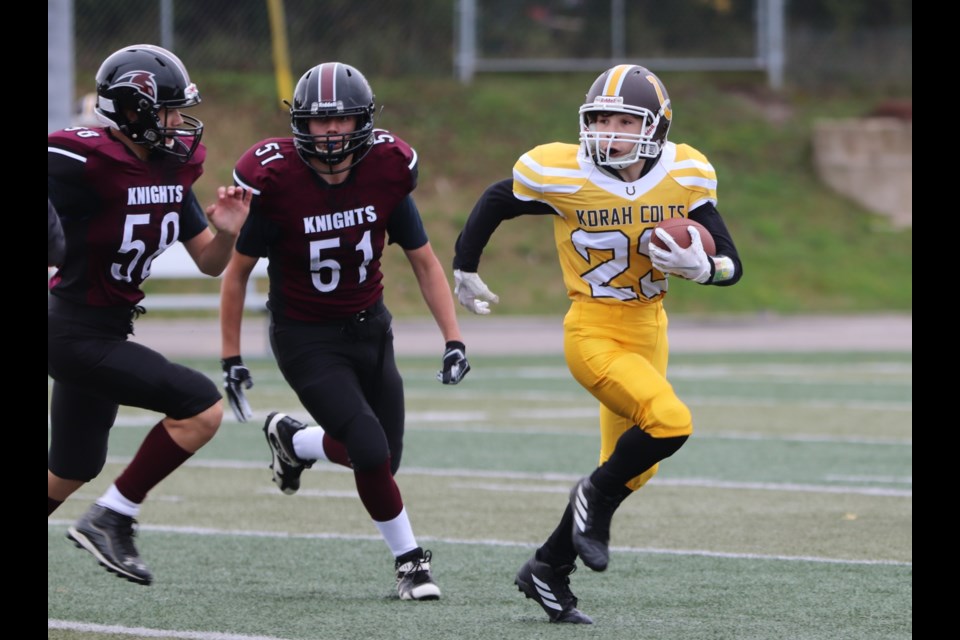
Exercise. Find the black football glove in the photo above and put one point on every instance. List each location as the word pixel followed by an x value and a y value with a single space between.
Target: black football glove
pixel 455 364
pixel 236 378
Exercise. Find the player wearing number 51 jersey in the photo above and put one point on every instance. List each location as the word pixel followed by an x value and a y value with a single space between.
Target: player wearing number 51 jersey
pixel 326 202
pixel 605 197
pixel 323 243
pixel 124 192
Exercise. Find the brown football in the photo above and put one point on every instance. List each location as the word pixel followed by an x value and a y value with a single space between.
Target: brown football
pixel 677 228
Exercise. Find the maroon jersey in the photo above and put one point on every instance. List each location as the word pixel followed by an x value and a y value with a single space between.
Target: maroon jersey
pixel 324 242
pixel 118 213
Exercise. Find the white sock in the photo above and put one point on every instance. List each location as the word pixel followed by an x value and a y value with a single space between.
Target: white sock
pixel 398 534
pixel 308 444
pixel 115 501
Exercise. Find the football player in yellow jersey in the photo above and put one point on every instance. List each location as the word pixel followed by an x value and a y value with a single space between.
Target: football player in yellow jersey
pixel 605 197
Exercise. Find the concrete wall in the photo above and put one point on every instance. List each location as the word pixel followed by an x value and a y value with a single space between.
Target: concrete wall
pixel 869 160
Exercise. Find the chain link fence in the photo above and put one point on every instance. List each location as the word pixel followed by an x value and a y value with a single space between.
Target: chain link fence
pixel 421 36
pixel 855 43
pixel 410 37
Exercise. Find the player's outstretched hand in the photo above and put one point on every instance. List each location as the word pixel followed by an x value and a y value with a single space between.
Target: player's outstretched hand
pixel 236 378
pixel 230 210
pixel 473 293
pixel 455 365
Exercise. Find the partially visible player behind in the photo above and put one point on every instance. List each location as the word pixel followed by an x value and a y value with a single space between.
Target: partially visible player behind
pixel 56 244
pixel 605 196
pixel 326 202
pixel 124 194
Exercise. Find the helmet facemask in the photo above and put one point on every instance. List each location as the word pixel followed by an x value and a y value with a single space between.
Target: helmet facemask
pixel 333 149
pixel 147 127
pixel 646 144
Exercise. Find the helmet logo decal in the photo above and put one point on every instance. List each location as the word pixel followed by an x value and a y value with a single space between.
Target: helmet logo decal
pixel 664 104
pixel 611 100
pixel 143 82
pixel 191 92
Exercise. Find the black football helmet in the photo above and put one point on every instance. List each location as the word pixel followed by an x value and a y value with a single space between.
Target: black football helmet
pixel 145 79
pixel 327 90
pixel 626 88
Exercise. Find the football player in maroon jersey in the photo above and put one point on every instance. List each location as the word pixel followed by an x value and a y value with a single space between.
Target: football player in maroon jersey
pixel 124 194
pixel 56 243
pixel 326 201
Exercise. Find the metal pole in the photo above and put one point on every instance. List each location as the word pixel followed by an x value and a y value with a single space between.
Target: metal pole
pixel 466 61
pixel 618 40
pixel 166 24
pixel 60 64
pixel 776 50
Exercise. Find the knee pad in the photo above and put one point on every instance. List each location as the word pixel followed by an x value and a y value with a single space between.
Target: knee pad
pixel 668 417
pixel 76 467
pixel 365 442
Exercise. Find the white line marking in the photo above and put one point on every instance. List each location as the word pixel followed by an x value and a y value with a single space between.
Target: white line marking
pixel 890 479
pixel 721 435
pixel 450 418
pixel 143 632
pixel 789 486
pixel 727 400
pixel 709 483
pixel 205 531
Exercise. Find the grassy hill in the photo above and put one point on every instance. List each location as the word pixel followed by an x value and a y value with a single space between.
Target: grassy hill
pixel 804 248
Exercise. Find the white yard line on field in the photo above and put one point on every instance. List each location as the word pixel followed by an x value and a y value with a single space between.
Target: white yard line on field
pixel 567 478
pixel 144 632
pixel 244 533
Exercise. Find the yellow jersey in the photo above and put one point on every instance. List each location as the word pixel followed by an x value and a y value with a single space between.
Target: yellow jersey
pixel 603 224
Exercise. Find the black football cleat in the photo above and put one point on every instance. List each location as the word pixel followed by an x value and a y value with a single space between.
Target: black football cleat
pixel 108 535
pixel 286 466
pixel 414 580
pixel 550 588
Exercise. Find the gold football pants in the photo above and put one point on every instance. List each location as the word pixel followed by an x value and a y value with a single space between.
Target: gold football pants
pixel 619 354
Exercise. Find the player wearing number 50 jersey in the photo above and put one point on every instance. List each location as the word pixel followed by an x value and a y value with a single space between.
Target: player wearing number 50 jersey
pixel 326 202
pixel 605 197
pixel 124 194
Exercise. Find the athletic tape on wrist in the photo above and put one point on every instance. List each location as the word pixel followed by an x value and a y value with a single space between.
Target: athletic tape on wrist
pixel 723 268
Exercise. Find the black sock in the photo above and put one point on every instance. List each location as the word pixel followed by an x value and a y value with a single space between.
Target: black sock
pixel 636 451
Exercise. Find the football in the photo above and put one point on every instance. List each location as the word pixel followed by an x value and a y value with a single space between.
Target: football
pixel 677 228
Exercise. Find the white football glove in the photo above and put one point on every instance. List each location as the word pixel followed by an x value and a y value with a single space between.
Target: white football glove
pixel 473 293
pixel 691 263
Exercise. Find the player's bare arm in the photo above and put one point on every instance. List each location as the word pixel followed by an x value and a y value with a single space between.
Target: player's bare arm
pixel 211 251
pixel 233 293
pixel 435 290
